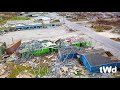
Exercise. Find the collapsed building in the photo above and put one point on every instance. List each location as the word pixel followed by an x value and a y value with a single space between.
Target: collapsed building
pixel 36 48
pixel 29 26
pixel 99 58
pixel 36 23
pixel 35 26
pixel 91 58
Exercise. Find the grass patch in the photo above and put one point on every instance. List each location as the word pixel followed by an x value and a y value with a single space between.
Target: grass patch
pixel 41 68
pixel 108 22
pixel 4 19
pixel 2 29
pixel 15 69
pixel 100 28
pixel 72 20
pixel 20 18
pixel 7 29
pixel 42 71
pixel 2 22
pixel 78 73
pixel 55 21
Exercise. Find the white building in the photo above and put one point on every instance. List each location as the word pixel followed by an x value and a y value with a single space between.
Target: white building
pixel 45 20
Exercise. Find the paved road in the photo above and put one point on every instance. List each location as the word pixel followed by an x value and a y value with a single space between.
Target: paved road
pixel 105 41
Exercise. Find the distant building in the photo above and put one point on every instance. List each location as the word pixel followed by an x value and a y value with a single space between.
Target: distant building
pixel 92 18
pixel 69 16
pixel 29 26
pixel 45 20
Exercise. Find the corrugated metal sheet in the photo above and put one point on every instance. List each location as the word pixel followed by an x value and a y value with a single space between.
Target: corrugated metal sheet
pixel 67 56
pixel 68 53
pixel 12 48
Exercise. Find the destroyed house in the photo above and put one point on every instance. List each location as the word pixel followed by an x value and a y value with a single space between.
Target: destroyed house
pixel 29 26
pixel 93 61
pixel 36 48
pixel 65 53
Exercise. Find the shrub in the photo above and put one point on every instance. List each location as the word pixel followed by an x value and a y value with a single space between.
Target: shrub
pixel 100 28
pixel 56 20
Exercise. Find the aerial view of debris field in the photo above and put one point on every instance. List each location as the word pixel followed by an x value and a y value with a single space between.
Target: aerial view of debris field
pixel 59 44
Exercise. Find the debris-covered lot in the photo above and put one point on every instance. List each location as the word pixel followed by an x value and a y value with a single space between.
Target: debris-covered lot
pixel 54 50
pixel 48 67
pixel 45 64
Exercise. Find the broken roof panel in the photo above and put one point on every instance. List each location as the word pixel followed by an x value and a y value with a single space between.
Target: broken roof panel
pixel 93 61
pixel 35 45
pixel 97 59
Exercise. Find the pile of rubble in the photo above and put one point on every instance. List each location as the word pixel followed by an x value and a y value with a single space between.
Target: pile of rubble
pixel 71 68
pixel 6 30
pixel 2 32
pixel 25 75
pixel 67 70
pixel 35 45
pixel 45 66
pixel 4 73
pixel 116 39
